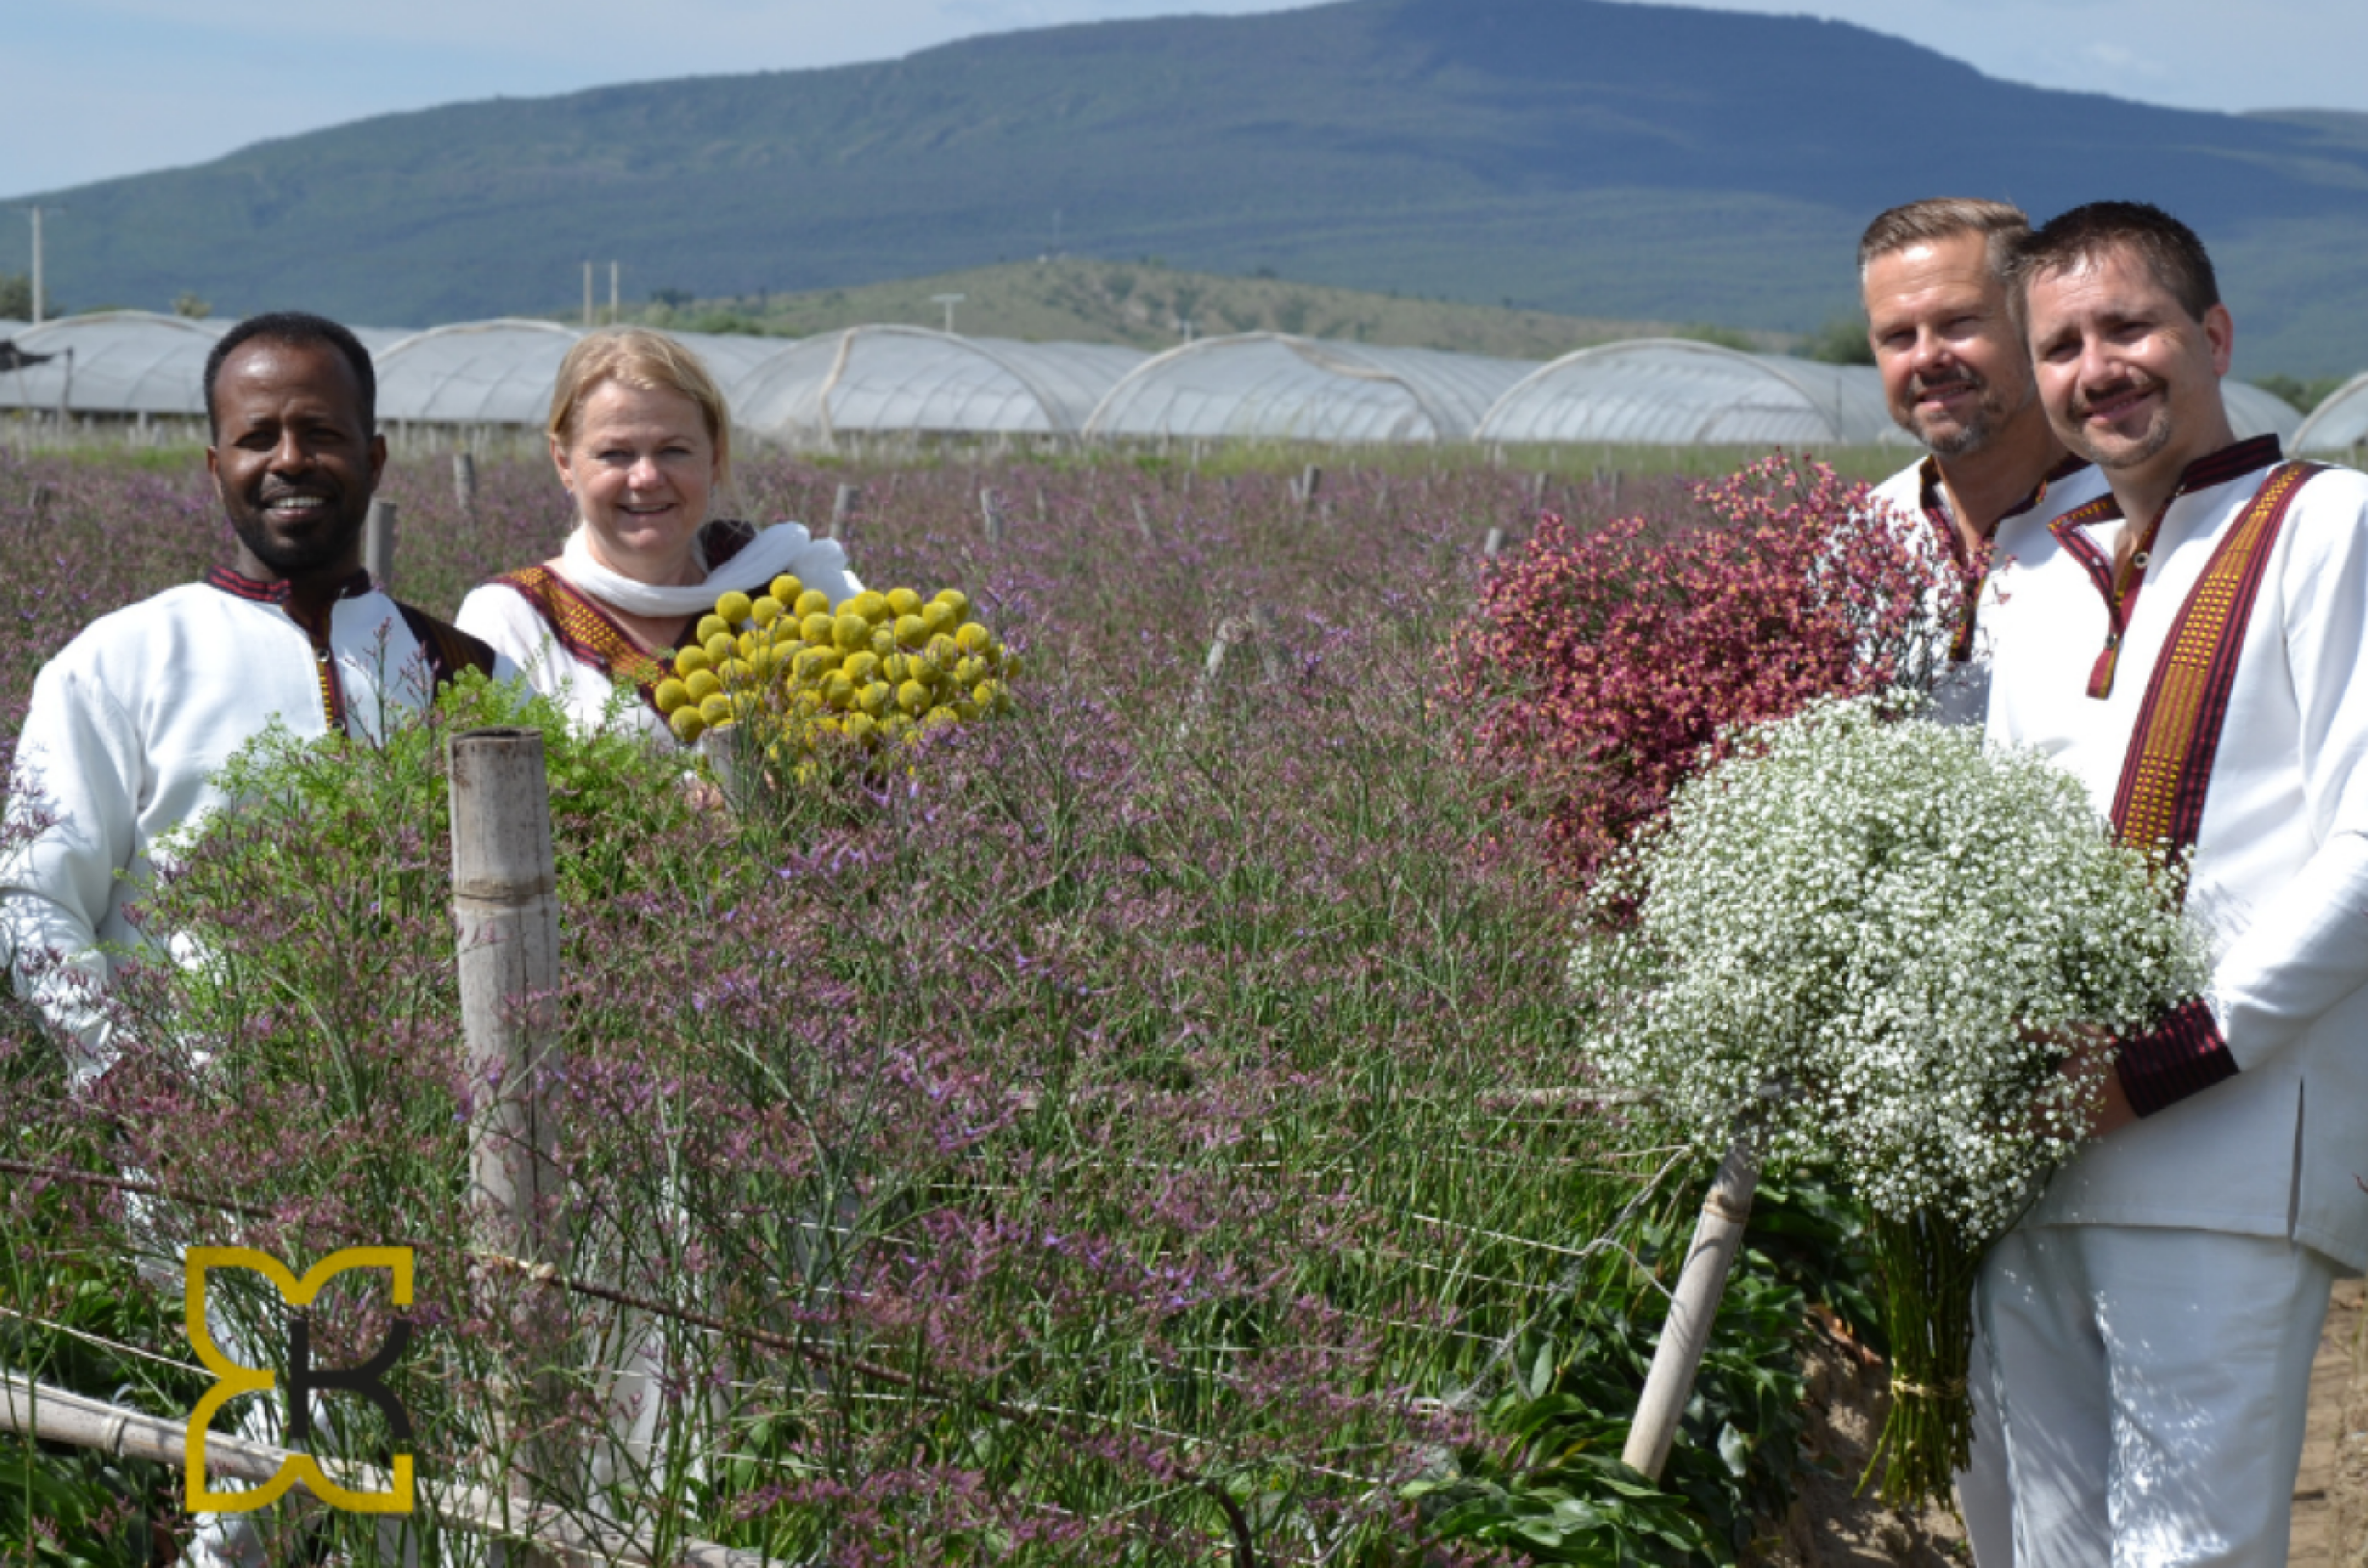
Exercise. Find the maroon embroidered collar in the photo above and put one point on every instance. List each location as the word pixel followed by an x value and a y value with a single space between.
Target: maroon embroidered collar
pixel 2120 585
pixel 238 585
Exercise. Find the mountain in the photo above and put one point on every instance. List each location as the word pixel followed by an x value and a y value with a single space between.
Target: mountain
pixel 1582 156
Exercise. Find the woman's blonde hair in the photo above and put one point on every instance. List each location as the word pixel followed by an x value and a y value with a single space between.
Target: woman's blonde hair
pixel 648 360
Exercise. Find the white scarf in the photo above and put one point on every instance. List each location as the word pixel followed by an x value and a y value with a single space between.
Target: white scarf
pixel 783 547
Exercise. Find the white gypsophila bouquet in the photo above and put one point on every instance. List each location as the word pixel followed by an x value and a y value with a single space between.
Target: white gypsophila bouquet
pixel 1866 937
pixel 1889 921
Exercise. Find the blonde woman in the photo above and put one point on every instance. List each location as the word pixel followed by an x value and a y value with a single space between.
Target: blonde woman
pixel 641 439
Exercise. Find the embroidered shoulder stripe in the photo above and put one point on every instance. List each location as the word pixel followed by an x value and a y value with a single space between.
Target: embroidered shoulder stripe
pixel 585 630
pixel 2082 548
pixel 2167 771
pixel 447 649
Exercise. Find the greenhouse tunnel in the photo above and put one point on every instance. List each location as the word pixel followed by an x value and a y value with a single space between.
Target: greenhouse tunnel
pixel 1276 386
pixel 867 379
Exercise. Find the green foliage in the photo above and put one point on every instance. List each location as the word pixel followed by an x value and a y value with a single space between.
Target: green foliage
pixel 2305 395
pixel 15 297
pixel 1840 341
pixel 1725 337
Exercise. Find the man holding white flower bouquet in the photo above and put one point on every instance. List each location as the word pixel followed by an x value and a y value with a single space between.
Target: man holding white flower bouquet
pixel 2188 646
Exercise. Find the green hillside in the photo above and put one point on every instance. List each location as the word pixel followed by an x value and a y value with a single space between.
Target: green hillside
pixel 1579 157
pixel 1144 303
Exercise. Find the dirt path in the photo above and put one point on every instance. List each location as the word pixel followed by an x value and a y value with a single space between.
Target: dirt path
pixel 1830 1527
pixel 2330 1497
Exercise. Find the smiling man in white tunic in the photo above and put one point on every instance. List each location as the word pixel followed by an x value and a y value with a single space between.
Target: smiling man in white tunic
pixel 130 723
pixel 2189 646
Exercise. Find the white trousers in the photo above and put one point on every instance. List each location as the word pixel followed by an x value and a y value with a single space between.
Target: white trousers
pixel 2152 1387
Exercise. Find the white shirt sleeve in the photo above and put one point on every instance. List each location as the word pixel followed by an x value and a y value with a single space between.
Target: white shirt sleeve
pixel 74 802
pixel 2306 949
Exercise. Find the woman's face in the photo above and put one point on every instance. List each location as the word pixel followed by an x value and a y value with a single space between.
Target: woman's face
pixel 640 465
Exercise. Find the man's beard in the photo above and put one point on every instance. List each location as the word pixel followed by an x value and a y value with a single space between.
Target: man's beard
pixel 322 546
pixel 1990 414
pixel 2157 433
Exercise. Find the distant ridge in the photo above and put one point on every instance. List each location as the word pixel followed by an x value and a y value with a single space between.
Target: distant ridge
pixel 1591 158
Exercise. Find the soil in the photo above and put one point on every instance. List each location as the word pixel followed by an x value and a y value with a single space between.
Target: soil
pixel 1830 1524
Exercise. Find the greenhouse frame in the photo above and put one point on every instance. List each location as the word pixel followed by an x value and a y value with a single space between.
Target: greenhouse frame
pixel 1276 387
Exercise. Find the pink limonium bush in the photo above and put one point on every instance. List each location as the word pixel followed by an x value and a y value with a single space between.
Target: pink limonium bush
pixel 1141 1132
pixel 1605 662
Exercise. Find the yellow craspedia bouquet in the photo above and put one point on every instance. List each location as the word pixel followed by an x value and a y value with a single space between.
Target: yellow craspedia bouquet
pixel 869 674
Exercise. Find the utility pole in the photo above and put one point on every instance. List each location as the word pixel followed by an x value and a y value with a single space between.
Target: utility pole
pixel 613 317
pixel 41 297
pixel 587 294
pixel 949 301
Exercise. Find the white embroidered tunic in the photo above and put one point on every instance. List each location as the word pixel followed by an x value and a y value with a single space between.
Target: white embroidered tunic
pixel 2254 1108
pixel 1962 693
pixel 131 721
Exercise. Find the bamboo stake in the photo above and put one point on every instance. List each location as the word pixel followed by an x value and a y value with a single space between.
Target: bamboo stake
pixel 1693 1307
pixel 53 1415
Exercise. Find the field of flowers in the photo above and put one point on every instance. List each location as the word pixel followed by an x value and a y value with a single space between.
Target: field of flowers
pixel 1148 1126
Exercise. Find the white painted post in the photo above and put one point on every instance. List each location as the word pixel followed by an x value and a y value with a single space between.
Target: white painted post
pixel 1494 542
pixel 1693 1307
pixel 377 541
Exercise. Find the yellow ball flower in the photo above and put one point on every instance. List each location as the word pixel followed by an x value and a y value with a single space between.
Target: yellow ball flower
pixel 860 726
pixel 687 724
pixel 964 708
pixel 973 637
pixel 815 628
pixel 748 642
pixel 672 695
pixel 883 641
pixel 903 602
pixel 874 699
pixel 912 630
pixel 722 646
pixel 912 697
pixel 989 696
pixel 837 689
pixel 813 663
pixel 954 599
pixel 868 604
pixel 896 669
pixel 938 616
pixel 702 684
pixel 691 661
pixel 733 607
pixel 943 652
pixel 851 631
pixel 736 672
pixel 765 611
pixel 715 709
pixel 785 590
pixel 709 627
pixel 813 601
pixel 862 667
pixel 969 671
pixel 938 718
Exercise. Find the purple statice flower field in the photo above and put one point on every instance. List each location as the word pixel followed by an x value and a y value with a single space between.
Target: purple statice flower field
pixel 1148 1127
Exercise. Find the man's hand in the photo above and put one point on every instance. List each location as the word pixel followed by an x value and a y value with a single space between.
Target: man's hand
pixel 2090 1060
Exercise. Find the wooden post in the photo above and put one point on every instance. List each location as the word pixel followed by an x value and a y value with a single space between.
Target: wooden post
pixel 464 482
pixel 1142 522
pixel 377 541
pixel 40 498
pixel 1311 480
pixel 1693 1306
pixel 1537 491
pixel 991 514
pixel 505 900
pixel 842 509
pixel 1492 544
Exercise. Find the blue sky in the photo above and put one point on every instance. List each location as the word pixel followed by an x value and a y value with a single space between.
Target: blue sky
pixel 101 87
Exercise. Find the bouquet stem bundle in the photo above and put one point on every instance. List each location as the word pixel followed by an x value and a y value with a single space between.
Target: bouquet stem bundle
pixel 1928 1268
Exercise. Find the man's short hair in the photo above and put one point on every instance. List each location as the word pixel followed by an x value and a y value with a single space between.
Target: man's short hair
pixel 298 329
pixel 2169 248
pixel 2001 225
